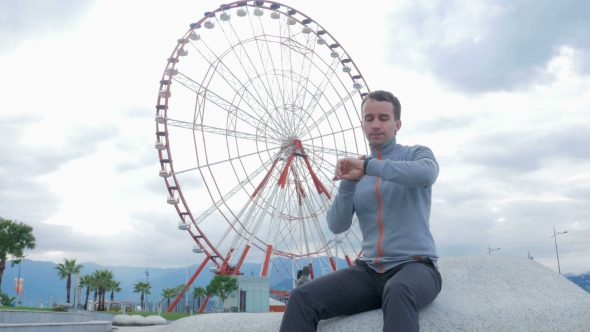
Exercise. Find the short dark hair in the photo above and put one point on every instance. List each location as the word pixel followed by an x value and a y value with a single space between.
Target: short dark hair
pixel 381 95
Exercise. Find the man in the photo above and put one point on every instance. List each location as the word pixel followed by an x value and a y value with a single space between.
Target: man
pixel 390 192
pixel 304 278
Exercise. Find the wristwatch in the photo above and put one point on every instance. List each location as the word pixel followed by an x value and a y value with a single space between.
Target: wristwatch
pixel 366 163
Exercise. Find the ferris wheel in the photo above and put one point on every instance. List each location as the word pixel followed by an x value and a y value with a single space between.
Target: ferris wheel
pixel 256 104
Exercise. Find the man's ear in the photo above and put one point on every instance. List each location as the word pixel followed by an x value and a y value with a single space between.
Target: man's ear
pixel 398 125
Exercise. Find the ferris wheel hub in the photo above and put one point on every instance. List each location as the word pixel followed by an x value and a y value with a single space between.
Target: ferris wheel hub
pixel 289 141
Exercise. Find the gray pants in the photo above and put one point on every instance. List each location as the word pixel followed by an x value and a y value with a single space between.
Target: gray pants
pixel 401 292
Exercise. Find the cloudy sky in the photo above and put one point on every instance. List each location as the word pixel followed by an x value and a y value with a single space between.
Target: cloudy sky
pixel 500 91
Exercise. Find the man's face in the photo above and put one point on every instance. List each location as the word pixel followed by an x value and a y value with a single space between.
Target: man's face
pixel 378 122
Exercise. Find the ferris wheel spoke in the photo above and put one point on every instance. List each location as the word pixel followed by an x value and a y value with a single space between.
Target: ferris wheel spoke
pixel 318 229
pixel 239 87
pixel 321 87
pixel 248 229
pixel 319 91
pixel 222 103
pixel 323 169
pixel 232 192
pixel 288 223
pixel 265 58
pixel 330 134
pixel 289 52
pixel 224 161
pixel 271 60
pixel 220 131
pixel 336 152
pixel 282 37
pixel 242 50
pixel 297 54
pixel 303 225
pixel 289 45
pixel 306 66
pixel 300 52
pixel 250 208
pixel 331 111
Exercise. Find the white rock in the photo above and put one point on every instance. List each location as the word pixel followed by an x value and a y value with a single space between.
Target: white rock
pixel 479 293
pixel 137 320
pixel 155 320
pixel 122 320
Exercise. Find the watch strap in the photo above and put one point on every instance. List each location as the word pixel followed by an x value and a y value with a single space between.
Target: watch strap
pixel 366 163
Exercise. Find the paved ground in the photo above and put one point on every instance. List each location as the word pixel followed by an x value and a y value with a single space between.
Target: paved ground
pixel 153 328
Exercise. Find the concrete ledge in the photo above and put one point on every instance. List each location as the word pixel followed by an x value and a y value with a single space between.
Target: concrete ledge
pixel 96 315
pixel 480 293
pixel 94 326
pixel 22 316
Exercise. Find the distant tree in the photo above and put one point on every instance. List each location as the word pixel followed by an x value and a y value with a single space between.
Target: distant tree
pixel 88 282
pixel 95 289
pixel 142 287
pixel 65 270
pixel 222 286
pixel 15 237
pixel 180 289
pixel 108 279
pixel 198 293
pixel 101 279
pixel 168 293
pixel 6 300
pixel 114 286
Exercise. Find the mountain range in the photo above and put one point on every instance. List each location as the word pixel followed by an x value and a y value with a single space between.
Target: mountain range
pixel 581 280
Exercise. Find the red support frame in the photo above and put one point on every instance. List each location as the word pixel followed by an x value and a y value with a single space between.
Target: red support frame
pixel 188 284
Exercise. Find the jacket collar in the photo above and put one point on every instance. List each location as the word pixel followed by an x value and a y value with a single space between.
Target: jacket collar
pixel 385 149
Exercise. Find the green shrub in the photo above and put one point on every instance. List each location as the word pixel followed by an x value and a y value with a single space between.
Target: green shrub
pixel 60 308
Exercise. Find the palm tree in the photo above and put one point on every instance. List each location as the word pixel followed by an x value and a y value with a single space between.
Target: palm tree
pixel 102 278
pixel 167 294
pixel 95 289
pixel 114 286
pixel 198 293
pixel 88 282
pixel 142 287
pixel 179 290
pixel 65 270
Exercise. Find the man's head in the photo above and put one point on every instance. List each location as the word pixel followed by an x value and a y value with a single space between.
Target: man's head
pixel 381 112
pixel 305 271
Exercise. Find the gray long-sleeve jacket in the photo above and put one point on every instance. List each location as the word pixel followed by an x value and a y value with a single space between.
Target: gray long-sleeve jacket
pixel 392 203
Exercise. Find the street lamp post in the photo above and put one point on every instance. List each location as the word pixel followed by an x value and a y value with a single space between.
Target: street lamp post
pixel 18 283
pixel 490 249
pixel 557 252
pixel 20 260
pixel 147 280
